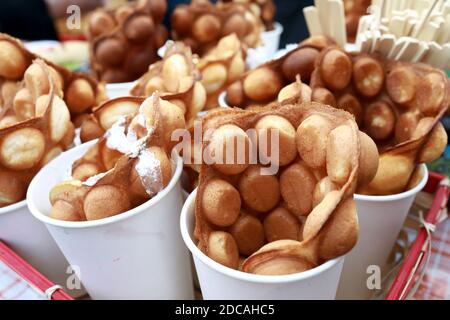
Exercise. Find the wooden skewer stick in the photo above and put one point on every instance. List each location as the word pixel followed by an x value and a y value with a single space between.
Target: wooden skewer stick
pixel 387 8
pixel 446 9
pixel 337 25
pixel 421 52
pixel 407 4
pixel 440 6
pixel 409 26
pixel 376 36
pixel 312 20
pixel 408 50
pixel 376 9
pixel 385 45
pixel 366 42
pixel 363 26
pixel 397 26
pixel 424 19
pixel 444 32
pixel 324 15
pixel 420 5
pixel 429 32
pixel 397 47
pixel 438 56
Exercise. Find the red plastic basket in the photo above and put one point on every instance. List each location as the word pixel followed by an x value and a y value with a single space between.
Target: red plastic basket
pixel 409 272
pixel 24 270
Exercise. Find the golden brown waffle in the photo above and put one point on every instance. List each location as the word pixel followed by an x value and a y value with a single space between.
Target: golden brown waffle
pixel 263 85
pixel 265 9
pixel 80 91
pixel 398 104
pixel 223 65
pixel 124 42
pixel 34 132
pixel 125 168
pixel 295 219
pixel 201 25
pixel 177 79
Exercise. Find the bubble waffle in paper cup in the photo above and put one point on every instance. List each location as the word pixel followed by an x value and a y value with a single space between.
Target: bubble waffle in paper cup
pixel 129 165
pixel 292 220
pixel 19 89
pixel 219 282
pixel 124 41
pixel 140 249
pixel 271 81
pixel 221 66
pixel 177 79
pixel 27 145
pixel 125 216
pixel 201 24
pixel 398 104
pixel 96 124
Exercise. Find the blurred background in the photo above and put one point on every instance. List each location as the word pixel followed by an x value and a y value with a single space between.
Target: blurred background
pixel 46 19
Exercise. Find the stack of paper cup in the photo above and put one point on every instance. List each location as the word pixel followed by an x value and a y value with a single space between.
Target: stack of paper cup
pixel 380 220
pixel 220 282
pixel 138 254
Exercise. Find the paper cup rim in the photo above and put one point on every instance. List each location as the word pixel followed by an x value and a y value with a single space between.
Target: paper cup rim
pixel 239 275
pixel 397 196
pixel 13 207
pixel 105 221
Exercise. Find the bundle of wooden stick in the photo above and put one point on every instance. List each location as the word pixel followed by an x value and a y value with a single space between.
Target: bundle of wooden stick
pixel 405 30
pixel 327 17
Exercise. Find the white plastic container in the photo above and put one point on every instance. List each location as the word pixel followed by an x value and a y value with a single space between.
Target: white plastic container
pixel 266 51
pixel 121 89
pixel 138 254
pixel 380 220
pixel 31 240
pixel 220 282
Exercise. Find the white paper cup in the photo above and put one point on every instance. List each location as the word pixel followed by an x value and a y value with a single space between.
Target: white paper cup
pixel 220 282
pixel 121 89
pixel 380 220
pixel 271 39
pixel 267 50
pixel 31 240
pixel 138 254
